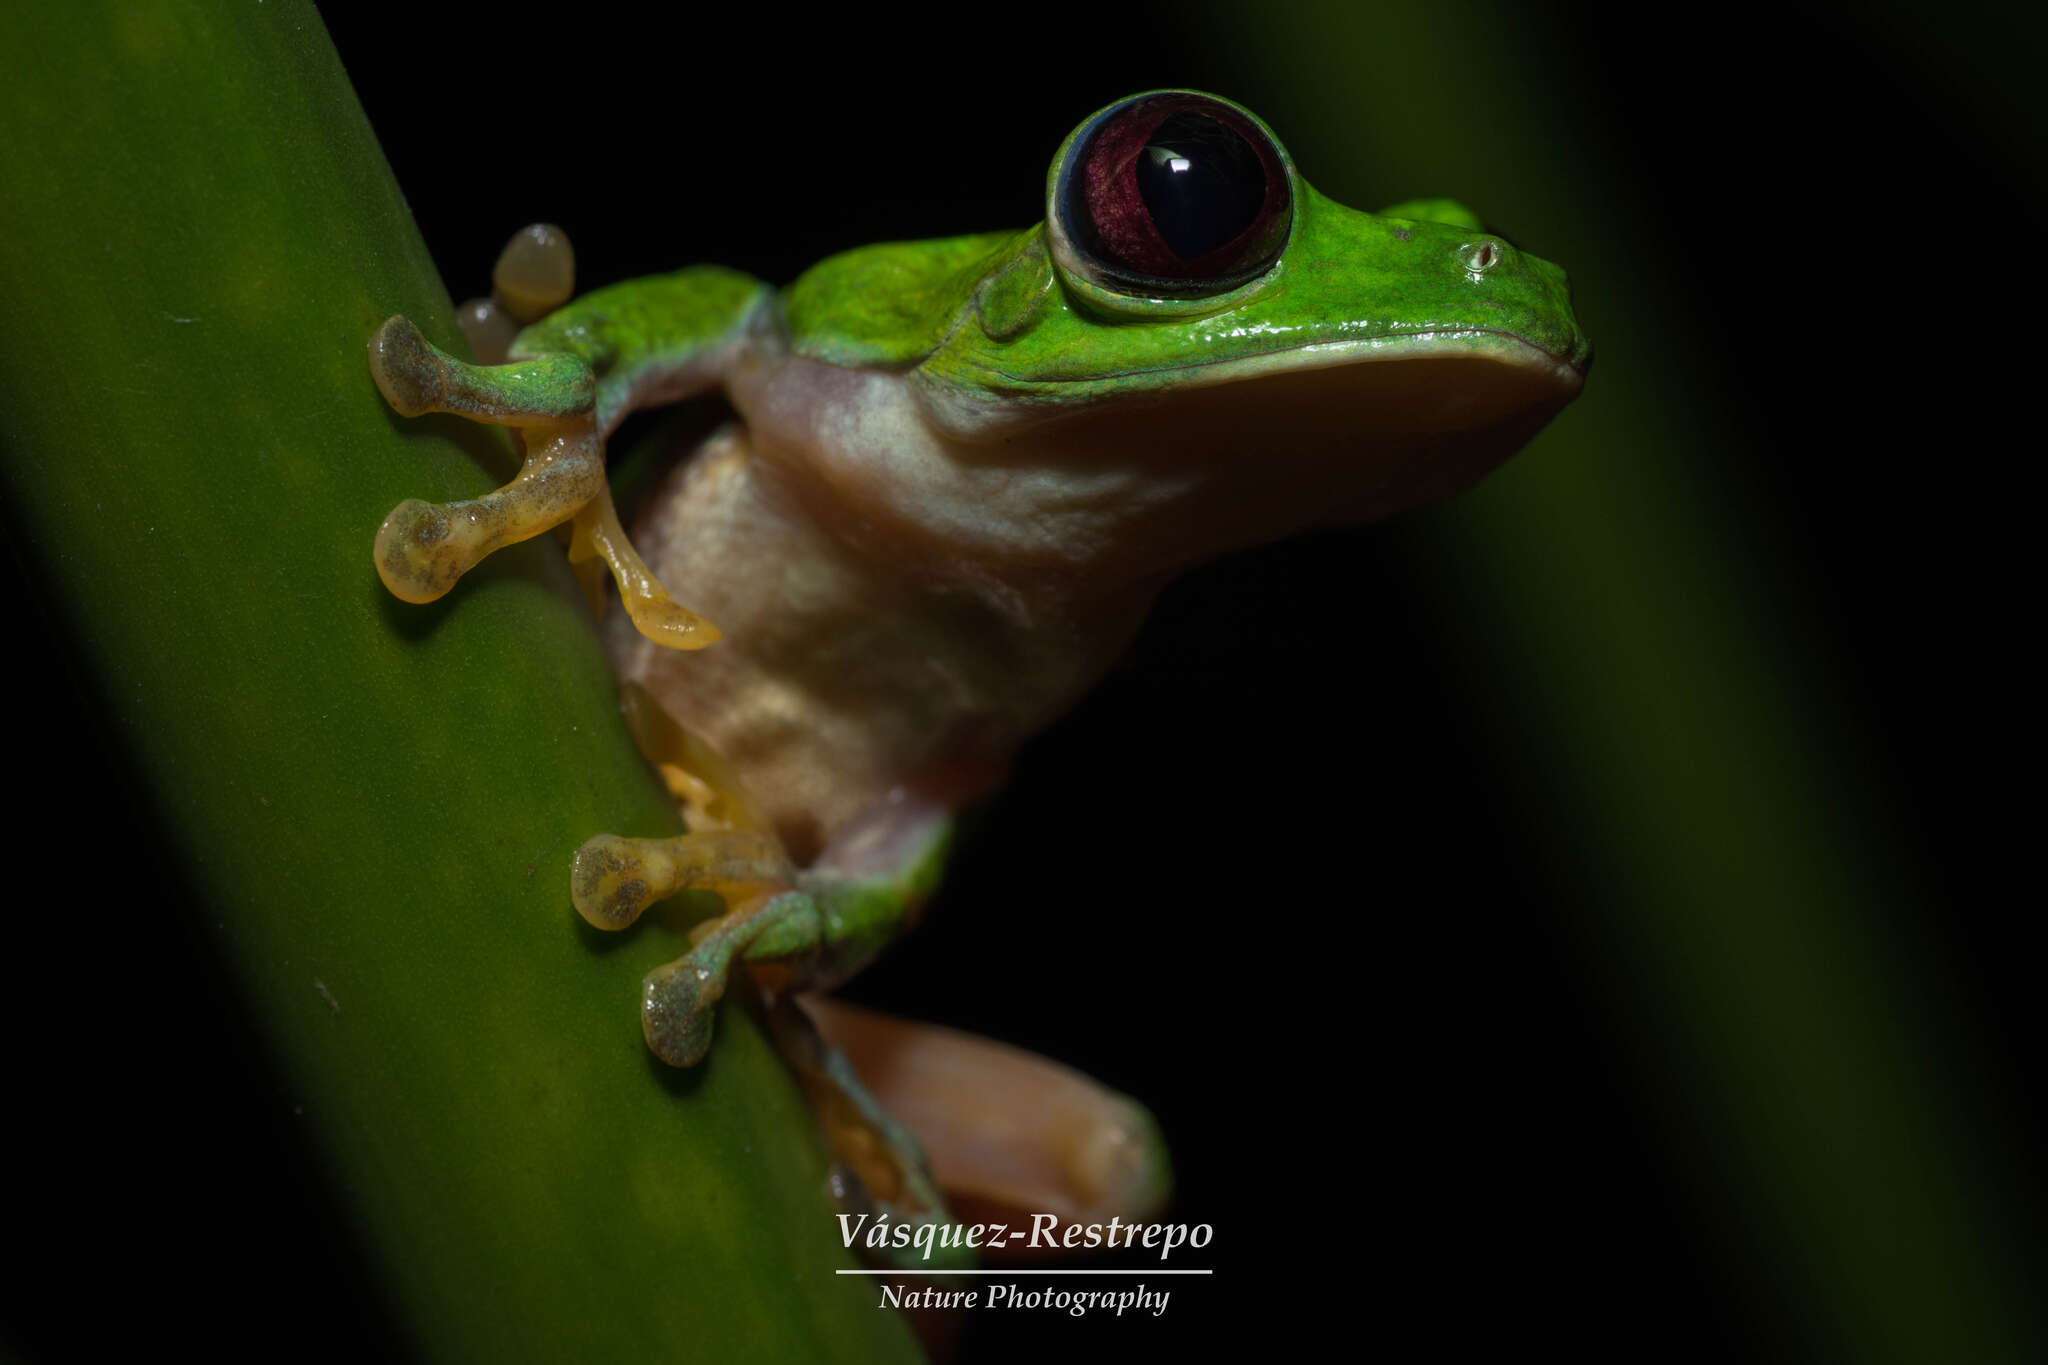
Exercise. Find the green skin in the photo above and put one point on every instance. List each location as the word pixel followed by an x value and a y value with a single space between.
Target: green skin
pixel 970 464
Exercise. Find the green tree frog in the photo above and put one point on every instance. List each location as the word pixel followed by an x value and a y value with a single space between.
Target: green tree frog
pixel 962 470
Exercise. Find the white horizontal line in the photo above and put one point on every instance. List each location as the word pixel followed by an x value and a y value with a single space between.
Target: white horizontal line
pixel 1023 1272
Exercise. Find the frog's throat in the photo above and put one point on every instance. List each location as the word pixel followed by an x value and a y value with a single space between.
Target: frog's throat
pixel 1071 502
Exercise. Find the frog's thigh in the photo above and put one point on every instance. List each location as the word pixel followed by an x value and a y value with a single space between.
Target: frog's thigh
pixel 422 547
pixel 1005 1129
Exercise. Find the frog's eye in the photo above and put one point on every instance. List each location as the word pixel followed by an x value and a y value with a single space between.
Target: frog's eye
pixel 1173 193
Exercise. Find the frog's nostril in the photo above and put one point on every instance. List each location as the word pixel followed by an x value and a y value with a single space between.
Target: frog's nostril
pixel 1482 255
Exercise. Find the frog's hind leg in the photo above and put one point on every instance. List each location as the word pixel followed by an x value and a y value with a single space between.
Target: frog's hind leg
pixel 878 1165
pixel 793 930
pixel 1007 1132
pixel 423 548
pixel 612 880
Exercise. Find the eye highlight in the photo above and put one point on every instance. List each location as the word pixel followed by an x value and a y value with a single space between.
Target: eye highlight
pixel 1174 193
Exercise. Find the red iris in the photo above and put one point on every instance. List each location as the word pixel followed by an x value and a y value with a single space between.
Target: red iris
pixel 1177 192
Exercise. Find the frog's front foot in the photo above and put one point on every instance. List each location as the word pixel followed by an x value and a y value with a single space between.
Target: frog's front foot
pixel 423 548
pixel 407 368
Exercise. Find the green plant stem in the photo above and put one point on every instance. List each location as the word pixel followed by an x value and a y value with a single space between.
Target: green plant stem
pixel 375 802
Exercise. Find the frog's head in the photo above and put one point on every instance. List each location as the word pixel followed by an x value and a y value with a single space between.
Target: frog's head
pixel 1191 296
pixel 1197 349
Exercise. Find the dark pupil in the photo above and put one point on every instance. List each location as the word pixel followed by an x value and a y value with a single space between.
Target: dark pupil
pixel 1202 183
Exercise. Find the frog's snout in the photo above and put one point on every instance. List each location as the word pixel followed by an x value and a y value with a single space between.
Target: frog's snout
pixel 1532 296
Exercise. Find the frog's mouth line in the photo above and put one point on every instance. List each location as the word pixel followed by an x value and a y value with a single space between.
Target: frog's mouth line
pixel 1524 355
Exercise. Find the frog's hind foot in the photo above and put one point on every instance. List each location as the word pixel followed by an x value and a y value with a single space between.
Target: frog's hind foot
pixel 678 1003
pixel 793 930
pixel 612 880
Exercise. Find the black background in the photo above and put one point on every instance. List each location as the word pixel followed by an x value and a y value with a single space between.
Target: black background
pixel 1386 1080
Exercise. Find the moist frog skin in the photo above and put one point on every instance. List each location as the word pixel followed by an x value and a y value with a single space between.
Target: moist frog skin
pixel 961 471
